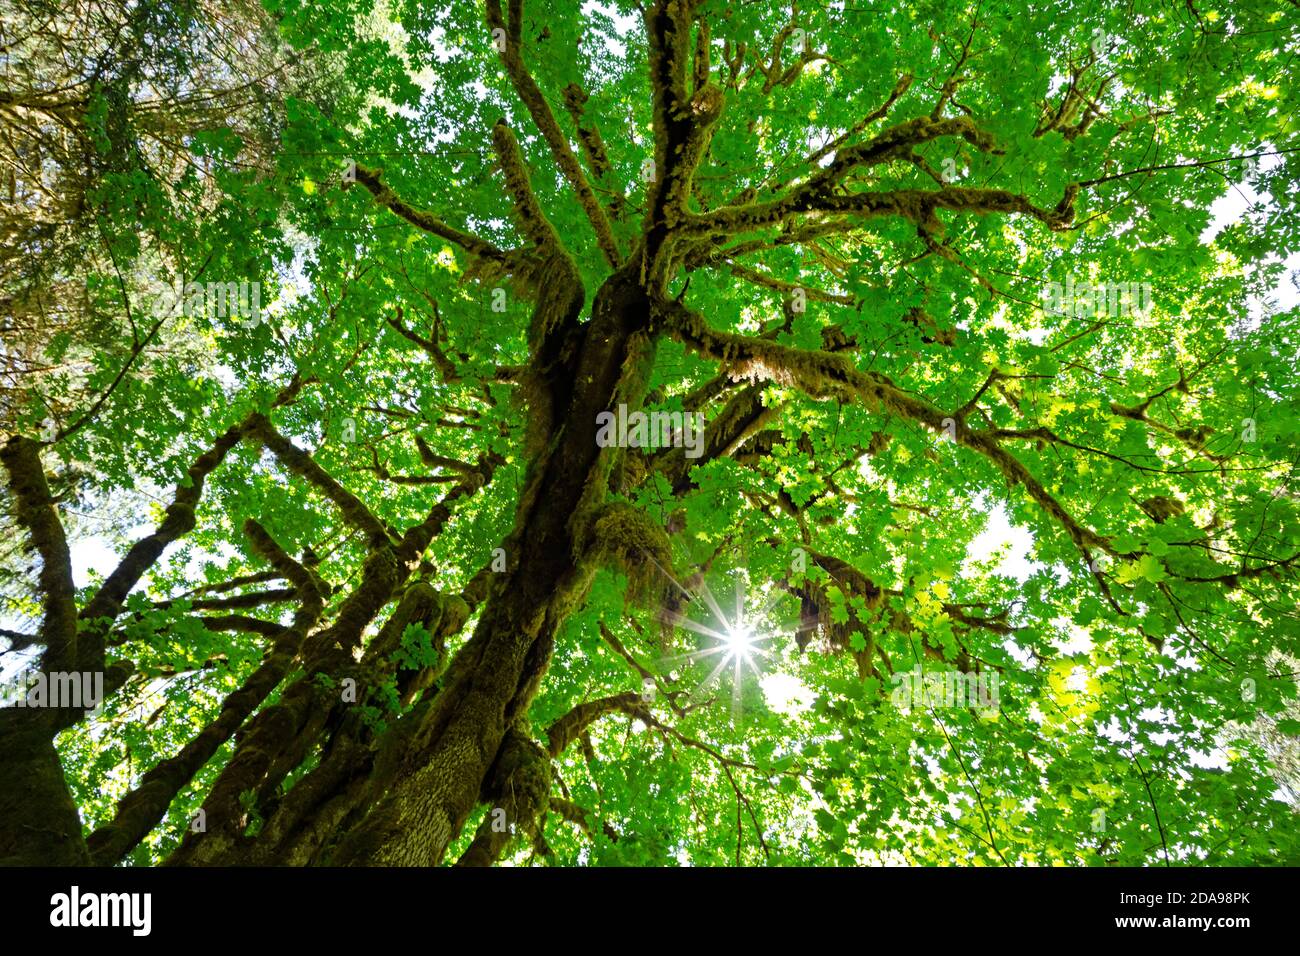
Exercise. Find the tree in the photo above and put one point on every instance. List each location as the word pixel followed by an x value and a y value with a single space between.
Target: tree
pixel 452 571
pixel 115 117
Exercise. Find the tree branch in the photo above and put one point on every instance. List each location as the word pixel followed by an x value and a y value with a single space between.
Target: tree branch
pixel 533 99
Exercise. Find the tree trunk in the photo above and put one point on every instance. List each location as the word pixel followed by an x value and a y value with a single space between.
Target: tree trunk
pixel 41 826
pixel 450 750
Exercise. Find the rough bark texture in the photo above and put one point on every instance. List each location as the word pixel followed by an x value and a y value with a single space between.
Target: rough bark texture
pixel 452 745
pixel 39 823
pixel 41 826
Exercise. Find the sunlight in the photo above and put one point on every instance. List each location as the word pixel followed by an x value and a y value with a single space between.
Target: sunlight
pixel 739 640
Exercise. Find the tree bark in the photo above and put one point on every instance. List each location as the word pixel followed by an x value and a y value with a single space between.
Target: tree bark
pixel 451 746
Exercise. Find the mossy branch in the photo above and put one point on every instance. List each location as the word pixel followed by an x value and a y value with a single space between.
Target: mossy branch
pixel 417 538
pixel 535 101
pixel 568 728
pixel 433 460
pixel 33 508
pixel 372 179
pixel 593 145
pixel 917 205
pixel 683 125
pixel 517 788
pixel 823 374
pixel 302 464
pixel 528 212
pixel 178 520
pixel 144 807
pixel 902 86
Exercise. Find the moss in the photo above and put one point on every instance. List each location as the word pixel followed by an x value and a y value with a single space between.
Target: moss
pixel 33 509
pixel 631 541
pixel 515 790
pixel 1161 508
pixel 819 374
pixel 575 98
pixel 560 299
pixel 528 213
pixel 631 472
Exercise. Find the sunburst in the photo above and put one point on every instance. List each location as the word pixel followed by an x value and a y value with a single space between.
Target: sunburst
pixel 737 638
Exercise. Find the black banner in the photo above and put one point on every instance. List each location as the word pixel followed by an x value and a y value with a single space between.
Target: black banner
pixel 134 906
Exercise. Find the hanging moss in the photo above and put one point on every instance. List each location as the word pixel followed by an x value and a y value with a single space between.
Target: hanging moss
pixel 630 540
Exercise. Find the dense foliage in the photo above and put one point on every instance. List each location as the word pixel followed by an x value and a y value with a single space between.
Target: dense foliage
pixel 311 314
